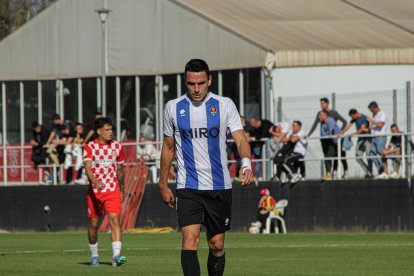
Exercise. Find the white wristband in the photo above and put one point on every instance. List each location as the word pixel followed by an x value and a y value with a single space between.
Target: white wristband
pixel 246 164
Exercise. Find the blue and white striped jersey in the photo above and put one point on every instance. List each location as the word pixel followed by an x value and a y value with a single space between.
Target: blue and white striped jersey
pixel 200 134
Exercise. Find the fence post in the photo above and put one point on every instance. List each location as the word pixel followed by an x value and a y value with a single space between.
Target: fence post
pixel 54 174
pixel 333 100
pixel 339 170
pixel 279 109
pixel 394 106
pixel 409 149
pixel 403 156
pixel 4 123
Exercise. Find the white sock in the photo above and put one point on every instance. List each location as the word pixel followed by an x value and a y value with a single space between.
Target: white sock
pixel 116 248
pixel 94 249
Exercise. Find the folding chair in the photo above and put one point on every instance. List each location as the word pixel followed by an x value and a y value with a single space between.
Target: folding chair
pixel 281 206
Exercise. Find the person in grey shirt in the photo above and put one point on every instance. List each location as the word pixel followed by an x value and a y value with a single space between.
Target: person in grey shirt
pixel 337 117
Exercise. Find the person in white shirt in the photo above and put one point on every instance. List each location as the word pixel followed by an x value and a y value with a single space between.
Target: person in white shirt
pixel 297 136
pixel 378 126
pixel 151 155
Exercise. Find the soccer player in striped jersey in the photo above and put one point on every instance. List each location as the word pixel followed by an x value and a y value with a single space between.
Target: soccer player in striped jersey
pixel 196 126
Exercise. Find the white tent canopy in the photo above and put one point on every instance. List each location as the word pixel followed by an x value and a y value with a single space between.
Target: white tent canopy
pixel 321 32
pixel 144 38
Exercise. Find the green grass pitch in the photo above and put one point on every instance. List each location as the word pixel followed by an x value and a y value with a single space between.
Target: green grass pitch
pixel 66 253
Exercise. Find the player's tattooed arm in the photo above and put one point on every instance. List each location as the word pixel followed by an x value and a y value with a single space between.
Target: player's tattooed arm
pixel 120 176
pixel 88 170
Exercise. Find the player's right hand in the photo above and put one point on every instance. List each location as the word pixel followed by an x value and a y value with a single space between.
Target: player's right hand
pixel 167 197
pixel 99 185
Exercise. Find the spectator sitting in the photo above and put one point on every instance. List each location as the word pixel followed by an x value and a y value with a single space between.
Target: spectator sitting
pixel 260 129
pixel 149 153
pixel 287 158
pixel 77 153
pixel 279 131
pixel 394 148
pixel 266 205
pixel 39 139
pixel 54 136
pixel 91 133
pixel 296 137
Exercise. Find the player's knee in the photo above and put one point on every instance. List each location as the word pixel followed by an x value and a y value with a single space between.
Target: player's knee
pixel 191 242
pixel 93 224
pixel 216 247
pixel 114 220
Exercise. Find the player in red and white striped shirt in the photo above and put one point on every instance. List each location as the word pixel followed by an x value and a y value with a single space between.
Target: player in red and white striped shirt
pixel 104 165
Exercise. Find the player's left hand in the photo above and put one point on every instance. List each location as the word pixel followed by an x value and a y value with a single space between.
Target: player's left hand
pixel 247 176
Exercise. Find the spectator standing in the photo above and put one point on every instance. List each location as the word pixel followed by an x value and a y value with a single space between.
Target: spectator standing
pixel 378 127
pixel 394 148
pixel 260 129
pixel 363 145
pixel 329 145
pixel 324 102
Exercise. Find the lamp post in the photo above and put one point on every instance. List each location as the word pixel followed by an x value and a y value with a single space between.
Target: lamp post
pixel 103 14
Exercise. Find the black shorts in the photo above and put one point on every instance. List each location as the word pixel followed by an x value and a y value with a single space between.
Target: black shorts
pixel 210 208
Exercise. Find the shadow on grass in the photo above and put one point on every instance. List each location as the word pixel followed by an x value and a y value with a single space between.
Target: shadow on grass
pixel 100 263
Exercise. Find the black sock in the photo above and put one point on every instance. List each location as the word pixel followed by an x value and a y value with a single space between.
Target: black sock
pixel 215 265
pixel 189 263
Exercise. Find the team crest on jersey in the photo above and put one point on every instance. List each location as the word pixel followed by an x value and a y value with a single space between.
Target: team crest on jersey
pixel 213 110
pixel 182 112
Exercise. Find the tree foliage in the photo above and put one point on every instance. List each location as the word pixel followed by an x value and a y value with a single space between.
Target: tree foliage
pixel 15 13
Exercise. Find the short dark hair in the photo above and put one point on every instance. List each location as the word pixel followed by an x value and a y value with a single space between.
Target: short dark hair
pixel 394 125
pixel 298 122
pixel 35 124
pixel 372 104
pixel 196 65
pixel 324 100
pixel 56 117
pixel 79 124
pixel 100 122
pixel 352 111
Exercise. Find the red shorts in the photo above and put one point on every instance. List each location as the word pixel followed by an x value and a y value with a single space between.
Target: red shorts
pixel 108 201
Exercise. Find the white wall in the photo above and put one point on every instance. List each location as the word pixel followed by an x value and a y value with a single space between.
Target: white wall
pixel 340 79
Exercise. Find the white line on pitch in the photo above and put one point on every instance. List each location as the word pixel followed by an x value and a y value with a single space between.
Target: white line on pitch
pixel 228 247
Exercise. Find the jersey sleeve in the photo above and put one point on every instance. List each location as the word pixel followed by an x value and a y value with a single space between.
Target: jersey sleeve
pixel 121 156
pixel 168 121
pixel 87 153
pixel 234 121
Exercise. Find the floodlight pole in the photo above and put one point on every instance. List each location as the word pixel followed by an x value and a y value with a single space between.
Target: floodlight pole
pixel 103 14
